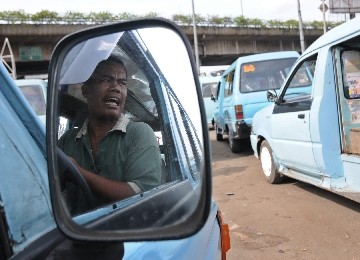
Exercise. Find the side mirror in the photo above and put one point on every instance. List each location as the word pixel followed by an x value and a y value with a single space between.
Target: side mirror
pixel 157 148
pixel 213 98
pixel 271 95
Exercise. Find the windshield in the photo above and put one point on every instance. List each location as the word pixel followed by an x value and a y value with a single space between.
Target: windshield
pixel 35 97
pixel 264 75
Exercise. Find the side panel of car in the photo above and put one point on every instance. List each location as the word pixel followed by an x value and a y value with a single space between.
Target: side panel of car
pixel 24 191
pixel 206 244
pixel 313 136
pixel 324 117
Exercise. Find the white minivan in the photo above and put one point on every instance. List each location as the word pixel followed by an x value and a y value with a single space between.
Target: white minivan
pixel 314 135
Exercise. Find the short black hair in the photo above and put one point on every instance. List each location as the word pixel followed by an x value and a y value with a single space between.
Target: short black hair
pixel 110 59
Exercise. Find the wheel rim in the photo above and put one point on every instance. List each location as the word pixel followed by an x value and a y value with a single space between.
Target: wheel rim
pixel 266 161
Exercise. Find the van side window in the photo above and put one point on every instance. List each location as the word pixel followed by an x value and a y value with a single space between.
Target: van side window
pixel 208 89
pixel 229 84
pixel 351 74
pixel 302 79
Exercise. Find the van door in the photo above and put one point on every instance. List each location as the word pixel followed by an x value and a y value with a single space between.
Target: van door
pixel 224 97
pixel 349 99
pixel 290 120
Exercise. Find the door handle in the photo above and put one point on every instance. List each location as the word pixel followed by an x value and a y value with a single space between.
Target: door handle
pixel 301 116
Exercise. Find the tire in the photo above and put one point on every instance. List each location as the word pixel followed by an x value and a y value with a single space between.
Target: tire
pixel 267 164
pixel 219 137
pixel 235 145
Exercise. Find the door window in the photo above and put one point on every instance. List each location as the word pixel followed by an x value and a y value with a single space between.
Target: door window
pixel 300 86
pixel 229 83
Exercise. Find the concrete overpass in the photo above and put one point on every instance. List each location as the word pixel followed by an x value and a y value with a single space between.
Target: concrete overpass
pixel 32 45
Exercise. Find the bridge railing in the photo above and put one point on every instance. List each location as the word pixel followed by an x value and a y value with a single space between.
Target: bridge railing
pixel 48 17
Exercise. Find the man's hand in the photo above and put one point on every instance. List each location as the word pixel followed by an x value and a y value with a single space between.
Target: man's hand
pixel 103 188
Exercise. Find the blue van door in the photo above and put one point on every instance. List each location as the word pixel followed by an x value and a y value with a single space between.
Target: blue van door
pixel 290 122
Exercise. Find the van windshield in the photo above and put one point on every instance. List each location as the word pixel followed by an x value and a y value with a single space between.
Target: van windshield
pixel 35 97
pixel 264 75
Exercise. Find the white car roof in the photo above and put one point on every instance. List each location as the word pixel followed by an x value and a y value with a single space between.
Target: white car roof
pixel 338 34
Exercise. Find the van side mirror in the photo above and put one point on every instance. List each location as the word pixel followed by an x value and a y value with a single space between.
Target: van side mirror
pixel 213 98
pixel 271 95
pixel 170 176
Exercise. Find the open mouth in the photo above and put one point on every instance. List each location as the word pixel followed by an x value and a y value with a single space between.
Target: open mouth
pixel 112 101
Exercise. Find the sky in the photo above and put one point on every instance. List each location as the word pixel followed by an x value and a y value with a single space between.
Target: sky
pixel 262 9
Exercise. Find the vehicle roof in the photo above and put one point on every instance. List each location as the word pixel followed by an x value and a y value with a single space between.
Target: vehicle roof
pixel 263 56
pixel 339 33
pixel 25 82
pixel 209 79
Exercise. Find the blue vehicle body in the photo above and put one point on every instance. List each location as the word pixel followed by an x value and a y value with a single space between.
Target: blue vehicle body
pixel 314 137
pixel 26 214
pixel 242 92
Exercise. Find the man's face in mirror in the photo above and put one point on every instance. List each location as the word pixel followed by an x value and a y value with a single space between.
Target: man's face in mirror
pixel 106 91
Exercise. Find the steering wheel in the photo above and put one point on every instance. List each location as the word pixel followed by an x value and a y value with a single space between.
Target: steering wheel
pixel 67 168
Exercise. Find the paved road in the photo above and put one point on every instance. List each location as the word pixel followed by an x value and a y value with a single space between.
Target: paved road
pixel 292 220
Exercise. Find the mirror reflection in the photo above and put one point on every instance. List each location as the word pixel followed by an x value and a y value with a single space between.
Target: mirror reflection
pixel 128 124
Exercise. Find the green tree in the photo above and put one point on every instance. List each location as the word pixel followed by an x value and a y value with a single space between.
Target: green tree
pixel 275 24
pixel 151 15
pixel 15 16
pixel 125 16
pixel 291 24
pixel 257 23
pixel 45 16
pixel 75 17
pixel 216 20
pixel 183 19
pixel 241 21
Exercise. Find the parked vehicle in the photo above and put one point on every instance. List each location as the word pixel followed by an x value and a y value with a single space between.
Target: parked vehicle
pixel 242 92
pixel 314 135
pixel 177 219
pixel 209 85
pixel 35 92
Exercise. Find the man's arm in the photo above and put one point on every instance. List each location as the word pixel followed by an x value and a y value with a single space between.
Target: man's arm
pixel 103 188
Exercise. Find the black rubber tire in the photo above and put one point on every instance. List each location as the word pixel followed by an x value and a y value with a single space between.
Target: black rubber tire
pixel 235 145
pixel 219 137
pixel 271 174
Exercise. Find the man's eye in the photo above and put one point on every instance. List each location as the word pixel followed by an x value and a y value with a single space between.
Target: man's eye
pixel 105 80
pixel 121 82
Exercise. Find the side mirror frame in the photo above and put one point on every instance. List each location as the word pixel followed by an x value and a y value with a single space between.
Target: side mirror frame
pixel 178 228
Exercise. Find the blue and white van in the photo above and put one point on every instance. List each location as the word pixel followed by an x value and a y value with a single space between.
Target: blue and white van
pixel 209 86
pixel 242 92
pixel 314 135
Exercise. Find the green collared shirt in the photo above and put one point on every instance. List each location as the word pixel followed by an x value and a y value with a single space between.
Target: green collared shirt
pixel 128 153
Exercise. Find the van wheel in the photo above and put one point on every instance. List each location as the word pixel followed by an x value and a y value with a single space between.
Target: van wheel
pixel 219 137
pixel 267 163
pixel 235 145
